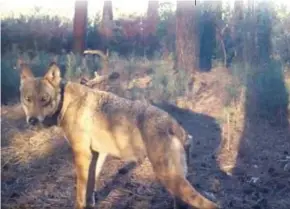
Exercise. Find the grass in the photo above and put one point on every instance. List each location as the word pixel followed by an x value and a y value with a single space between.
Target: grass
pixel 229 112
pixel 37 165
pixel 164 85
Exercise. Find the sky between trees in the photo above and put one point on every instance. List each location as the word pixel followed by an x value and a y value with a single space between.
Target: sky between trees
pixel 65 8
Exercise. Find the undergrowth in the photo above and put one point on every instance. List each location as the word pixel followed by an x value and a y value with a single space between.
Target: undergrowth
pixel 165 84
pixel 260 92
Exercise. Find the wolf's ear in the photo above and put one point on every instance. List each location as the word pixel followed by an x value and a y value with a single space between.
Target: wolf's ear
pixel 53 74
pixel 25 72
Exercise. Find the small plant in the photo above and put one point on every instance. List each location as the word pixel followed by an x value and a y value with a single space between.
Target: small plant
pixel 72 67
pixel 237 83
pixel 167 85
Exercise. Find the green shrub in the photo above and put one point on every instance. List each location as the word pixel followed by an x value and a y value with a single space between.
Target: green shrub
pixel 72 66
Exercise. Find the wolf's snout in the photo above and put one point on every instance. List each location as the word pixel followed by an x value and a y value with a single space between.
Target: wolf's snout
pixel 32 121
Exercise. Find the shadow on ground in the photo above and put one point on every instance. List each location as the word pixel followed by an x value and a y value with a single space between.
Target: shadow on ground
pixel 263 164
pixel 48 179
pixel 33 164
pixel 260 179
pixel 204 172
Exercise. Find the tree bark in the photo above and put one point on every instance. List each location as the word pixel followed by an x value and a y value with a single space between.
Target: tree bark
pixel 239 30
pixel 152 15
pixel 80 25
pixel 219 28
pixel 249 49
pixel 107 25
pixel 107 11
pixel 207 31
pixel 148 34
pixel 187 36
pixel 264 30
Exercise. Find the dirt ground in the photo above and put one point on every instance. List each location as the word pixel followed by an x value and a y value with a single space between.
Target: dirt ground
pixel 37 168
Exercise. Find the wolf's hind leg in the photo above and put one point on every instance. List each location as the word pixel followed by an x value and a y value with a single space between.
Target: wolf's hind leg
pixel 179 204
pixel 171 169
pixel 99 165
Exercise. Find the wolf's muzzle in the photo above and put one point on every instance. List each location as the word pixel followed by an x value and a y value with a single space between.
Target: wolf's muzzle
pixel 32 121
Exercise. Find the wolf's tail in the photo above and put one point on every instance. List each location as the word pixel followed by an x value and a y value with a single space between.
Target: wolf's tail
pixel 181 188
pixel 173 176
pixel 192 197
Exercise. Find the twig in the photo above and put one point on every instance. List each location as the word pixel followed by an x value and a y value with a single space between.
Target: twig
pixel 229 132
pixel 134 194
pixel 104 57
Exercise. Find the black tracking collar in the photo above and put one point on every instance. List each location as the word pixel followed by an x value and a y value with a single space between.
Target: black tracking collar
pixel 54 119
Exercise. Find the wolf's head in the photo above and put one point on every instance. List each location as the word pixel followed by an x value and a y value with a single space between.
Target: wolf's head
pixel 41 97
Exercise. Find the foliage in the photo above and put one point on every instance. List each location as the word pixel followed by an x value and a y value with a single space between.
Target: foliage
pixel 39 38
pixel 281 37
pixel 72 67
pixel 42 32
pixel 36 32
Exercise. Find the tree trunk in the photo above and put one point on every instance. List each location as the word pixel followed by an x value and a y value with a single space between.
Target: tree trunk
pixel 107 11
pixel 267 97
pixel 107 25
pixel 152 15
pixel 148 34
pixel 80 25
pixel 187 36
pixel 264 29
pixel 219 28
pixel 249 49
pixel 207 36
pixel 239 30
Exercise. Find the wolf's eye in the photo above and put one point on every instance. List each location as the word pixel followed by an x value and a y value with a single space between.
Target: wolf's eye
pixel 27 99
pixel 44 98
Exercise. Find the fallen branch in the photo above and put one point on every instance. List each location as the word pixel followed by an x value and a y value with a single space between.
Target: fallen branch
pixel 104 57
pixel 98 80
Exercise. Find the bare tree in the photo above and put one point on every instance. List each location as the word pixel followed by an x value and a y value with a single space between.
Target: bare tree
pixel 257 42
pixel 152 10
pixel 264 31
pixel 152 14
pixel 80 25
pixel 266 94
pixel 238 33
pixel 187 36
pixel 107 11
pixel 107 25
pixel 207 30
pixel 219 29
pixel 149 27
pixel 249 39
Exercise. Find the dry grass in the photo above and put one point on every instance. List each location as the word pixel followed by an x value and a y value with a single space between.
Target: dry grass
pixel 37 168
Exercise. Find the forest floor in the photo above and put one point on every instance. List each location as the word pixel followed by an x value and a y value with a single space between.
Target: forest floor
pixel 237 162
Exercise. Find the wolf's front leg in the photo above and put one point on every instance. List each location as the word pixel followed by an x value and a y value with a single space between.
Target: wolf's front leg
pixel 85 162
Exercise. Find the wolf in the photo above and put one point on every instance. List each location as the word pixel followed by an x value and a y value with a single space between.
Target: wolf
pixel 99 123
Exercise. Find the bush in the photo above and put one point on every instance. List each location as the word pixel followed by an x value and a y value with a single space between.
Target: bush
pixel 72 66
pixel 36 32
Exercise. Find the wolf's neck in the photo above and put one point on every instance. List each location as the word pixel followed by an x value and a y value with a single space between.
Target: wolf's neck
pixel 73 92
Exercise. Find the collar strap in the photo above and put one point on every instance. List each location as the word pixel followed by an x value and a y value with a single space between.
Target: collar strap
pixel 56 115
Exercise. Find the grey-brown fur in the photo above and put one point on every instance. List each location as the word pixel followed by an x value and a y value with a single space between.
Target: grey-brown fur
pixel 98 123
